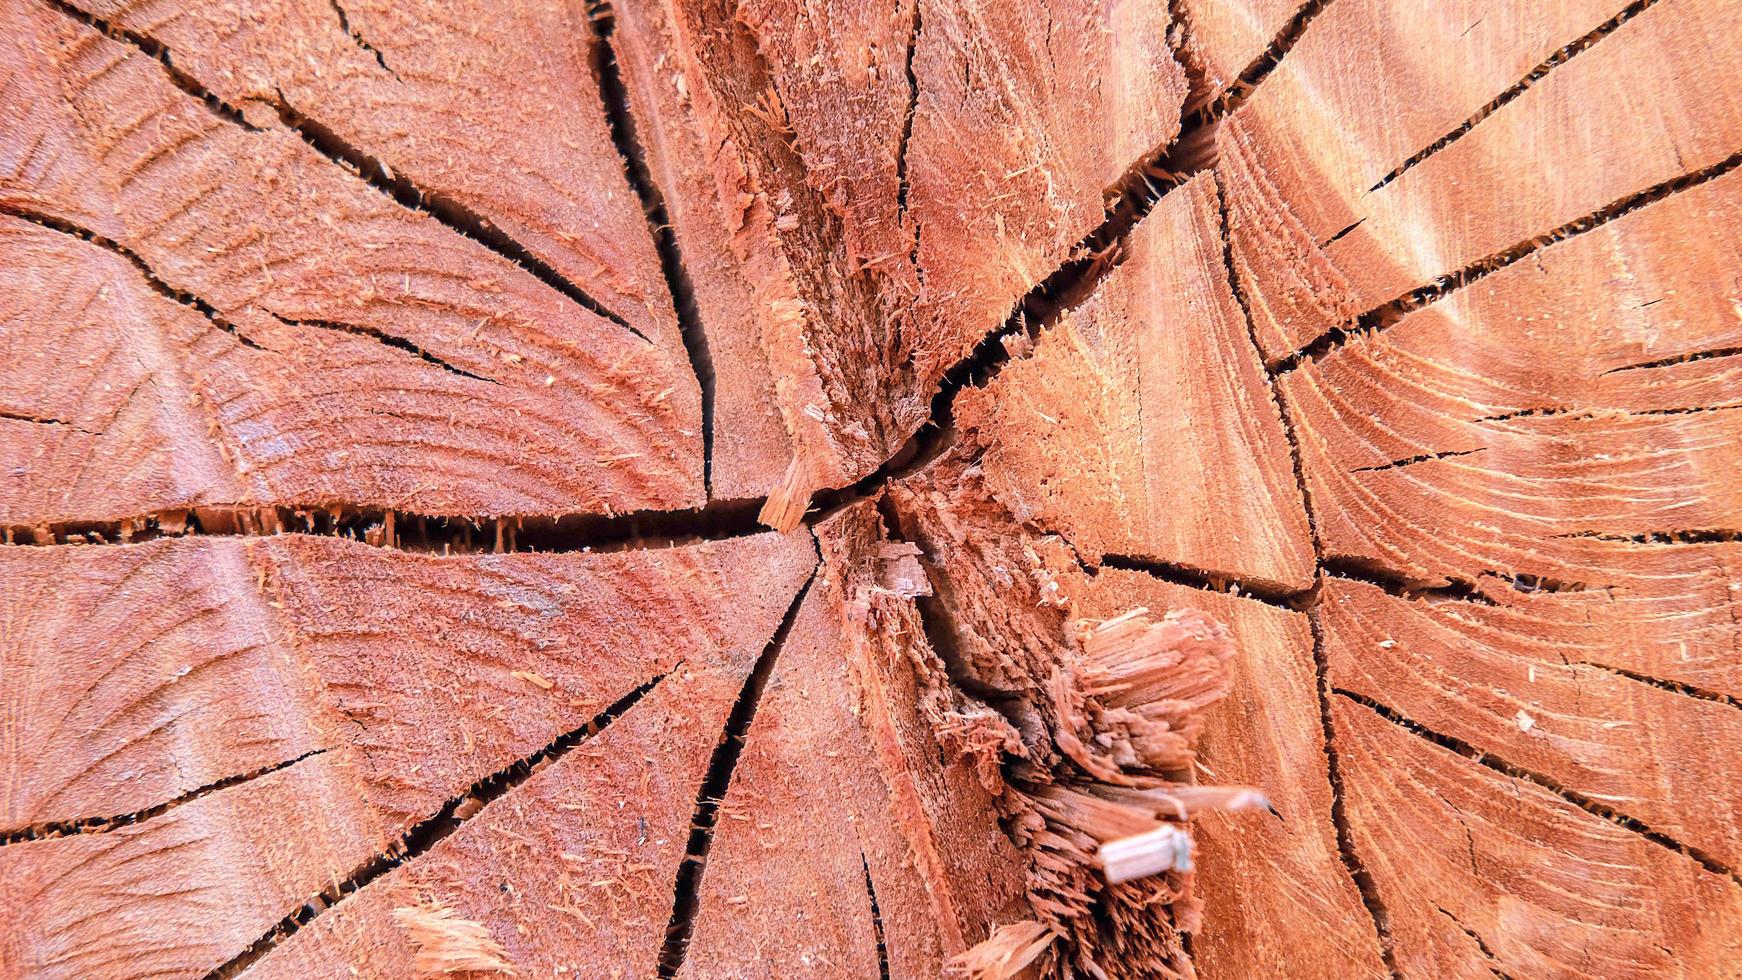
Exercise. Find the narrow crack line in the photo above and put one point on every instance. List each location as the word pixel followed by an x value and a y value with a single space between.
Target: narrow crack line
pixel 1483 758
pixel 876 919
pixel 383 337
pixel 1339 236
pixel 1419 458
pixel 1381 317
pixel 1209 580
pixel 158 52
pixel 1241 89
pixel 437 827
pixel 1352 864
pixel 1702 355
pixel 44 420
pixel 1277 399
pixel 162 288
pixel 103 825
pixel 901 176
pixel 447 211
pixel 1705 535
pixel 1355 569
pixel 686 897
pixel 1480 944
pixel 1663 684
pixel 357 36
pixel 409 531
pixel 620 120
pixel 1586 414
pixel 1555 60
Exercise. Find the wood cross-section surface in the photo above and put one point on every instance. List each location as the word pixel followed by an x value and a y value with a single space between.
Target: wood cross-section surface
pixel 627 489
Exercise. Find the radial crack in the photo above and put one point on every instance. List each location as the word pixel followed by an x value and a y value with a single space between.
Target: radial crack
pixel 436 828
pixel 620 120
pixel 1484 758
pixel 103 825
pixel 686 899
pixel 1382 317
pixel 1560 57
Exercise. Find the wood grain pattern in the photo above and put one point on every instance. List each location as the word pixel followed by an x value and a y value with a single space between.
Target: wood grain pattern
pixel 821 148
pixel 1143 425
pixel 1317 242
pixel 1541 420
pixel 568 873
pixel 790 881
pixel 1658 756
pixel 509 653
pixel 451 98
pixel 1479 870
pixel 302 258
pixel 179 894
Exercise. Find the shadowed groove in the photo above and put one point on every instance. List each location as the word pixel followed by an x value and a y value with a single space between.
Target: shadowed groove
pixel 686 897
pixel 435 828
pixel 1486 759
pixel 621 123
pixel 453 215
pixel 103 825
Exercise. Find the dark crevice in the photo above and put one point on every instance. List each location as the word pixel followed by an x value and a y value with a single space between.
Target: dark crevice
pixel 413 532
pixel 160 53
pixel 1209 580
pixel 1480 944
pixel 1420 458
pixel 452 214
pixel 65 227
pixel 1713 535
pixel 453 815
pixel 1357 871
pixel 1352 865
pixel 380 336
pixel 901 179
pixel 942 629
pixel 876 920
pixel 1548 783
pixel 686 899
pixel 1341 234
pixel 1553 61
pixel 620 119
pixel 357 36
pixel 1395 583
pixel 1381 317
pixel 1241 89
pixel 101 825
pixel 1677 359
pixel 43 420
pixel 1674 687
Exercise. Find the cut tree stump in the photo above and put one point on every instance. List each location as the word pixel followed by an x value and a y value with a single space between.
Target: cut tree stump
pixel 762 488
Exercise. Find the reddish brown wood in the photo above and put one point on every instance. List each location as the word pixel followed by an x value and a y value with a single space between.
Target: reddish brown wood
pixel 1461 852
pixel 1255 488
pixel 1142 425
